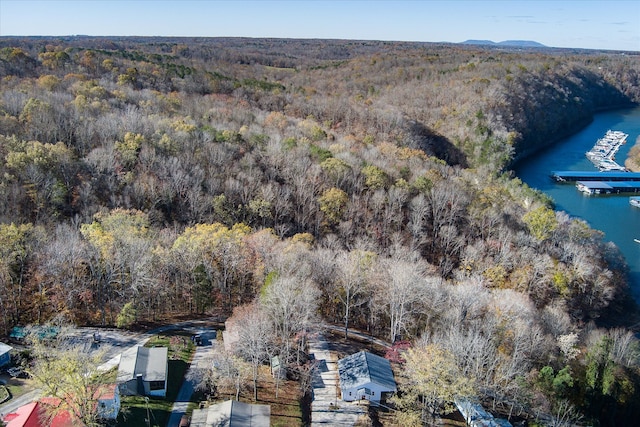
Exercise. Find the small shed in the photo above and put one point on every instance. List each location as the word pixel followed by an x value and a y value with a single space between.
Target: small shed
pixel 5 355
pixel 232 413
pixel 143 371
pixel 365 376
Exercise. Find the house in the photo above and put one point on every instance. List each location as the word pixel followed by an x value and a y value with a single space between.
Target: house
pixel 365 376
pixel 232 413
pixel 108 401
pixel 143 371
pixel 34 415
pixel 5 356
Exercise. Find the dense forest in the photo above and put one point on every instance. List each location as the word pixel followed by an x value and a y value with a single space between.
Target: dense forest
pixel 363 183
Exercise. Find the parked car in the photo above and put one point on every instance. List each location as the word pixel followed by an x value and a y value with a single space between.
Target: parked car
pixel 197 339
pixel 17 372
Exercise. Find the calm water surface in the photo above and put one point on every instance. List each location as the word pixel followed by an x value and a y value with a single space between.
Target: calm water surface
pixel 611 214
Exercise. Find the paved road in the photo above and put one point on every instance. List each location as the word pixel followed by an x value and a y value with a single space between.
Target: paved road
pixel 359 334
pixel 327 408
pixel 200 359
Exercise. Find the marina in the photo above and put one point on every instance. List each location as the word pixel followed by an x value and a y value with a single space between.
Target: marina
pixel 612 214
pixel 611 178
pixel 603 153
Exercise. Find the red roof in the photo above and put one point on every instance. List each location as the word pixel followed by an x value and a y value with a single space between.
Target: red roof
pixel 33 415
pixel 24 416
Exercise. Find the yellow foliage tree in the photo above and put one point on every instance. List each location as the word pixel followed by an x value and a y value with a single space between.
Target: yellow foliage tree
pixel 431 381
pixel 332 204
pixel 541 222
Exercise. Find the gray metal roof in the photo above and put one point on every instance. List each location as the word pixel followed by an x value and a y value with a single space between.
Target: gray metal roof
pixel 232 413
pixel 362 368
pixel 151 363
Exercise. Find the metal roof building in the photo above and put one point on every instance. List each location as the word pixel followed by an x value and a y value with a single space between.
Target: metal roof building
pixel 365 376
pixel 232 413
pixel 143 371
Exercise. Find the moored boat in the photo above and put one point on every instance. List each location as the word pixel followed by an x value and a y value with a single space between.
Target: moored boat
pixel 603 153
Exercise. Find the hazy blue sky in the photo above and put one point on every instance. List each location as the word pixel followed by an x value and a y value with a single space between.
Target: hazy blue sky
pixel 583 24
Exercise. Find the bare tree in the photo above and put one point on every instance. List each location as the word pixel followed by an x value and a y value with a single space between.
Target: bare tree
pixel 352 284
pixel 224 373
pixel 401 291
pixel 291 304
pixel 255 334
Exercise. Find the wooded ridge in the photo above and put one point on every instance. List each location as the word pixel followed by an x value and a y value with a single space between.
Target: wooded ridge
pixel 143 178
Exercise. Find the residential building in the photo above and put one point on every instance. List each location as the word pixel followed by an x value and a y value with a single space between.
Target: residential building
pixel 143 371
pixel 5 356
pixel 365 376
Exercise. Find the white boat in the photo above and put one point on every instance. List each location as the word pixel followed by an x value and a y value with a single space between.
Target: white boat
pixel 603 153
pixel 634 201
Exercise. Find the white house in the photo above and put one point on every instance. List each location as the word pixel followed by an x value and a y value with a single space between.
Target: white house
pixel 108 402
pixel 143 371
pixel 232 413
pixel 5 357
pixel 365 376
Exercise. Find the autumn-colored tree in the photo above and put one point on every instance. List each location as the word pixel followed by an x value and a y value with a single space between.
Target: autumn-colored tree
pixel 128 149
pixel 431 381
pixel 121 263
pixel 332 204
pixel 219 254
pixel 17 245
pixel 541 222
pixel 69 374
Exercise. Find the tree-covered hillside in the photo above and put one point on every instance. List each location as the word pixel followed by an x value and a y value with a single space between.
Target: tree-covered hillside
pixel 143 178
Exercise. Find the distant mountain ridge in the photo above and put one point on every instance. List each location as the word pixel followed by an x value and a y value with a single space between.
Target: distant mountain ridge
pixel 518 43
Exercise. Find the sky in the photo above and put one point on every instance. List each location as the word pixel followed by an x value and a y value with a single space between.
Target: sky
pixel 589 24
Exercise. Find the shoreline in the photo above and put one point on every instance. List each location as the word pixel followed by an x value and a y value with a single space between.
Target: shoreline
pixel 572 130
pixel 632 162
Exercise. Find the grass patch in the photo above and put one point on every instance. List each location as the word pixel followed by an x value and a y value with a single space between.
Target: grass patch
pixel 17 386
pixel 4 394
pixel 136 410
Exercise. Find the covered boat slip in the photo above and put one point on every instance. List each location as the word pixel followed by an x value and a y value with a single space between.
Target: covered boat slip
pixel 608 187
pixel 569 176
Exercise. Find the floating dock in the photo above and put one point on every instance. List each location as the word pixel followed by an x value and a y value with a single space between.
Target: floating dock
pixel 602 154
pixel 608 187
pixel 572 176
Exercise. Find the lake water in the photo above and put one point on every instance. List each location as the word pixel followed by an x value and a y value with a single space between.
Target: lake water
pixel 611 214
